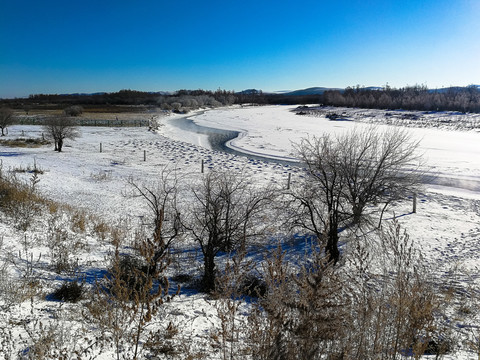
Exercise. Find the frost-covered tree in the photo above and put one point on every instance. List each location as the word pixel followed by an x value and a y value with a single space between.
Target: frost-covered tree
pixel 161 199
pixel 347 173
pixel 6 119
pixel 59 128
pixel 224 217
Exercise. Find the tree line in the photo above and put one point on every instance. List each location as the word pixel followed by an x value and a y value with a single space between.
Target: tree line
pixel 418 97
pixel 122 97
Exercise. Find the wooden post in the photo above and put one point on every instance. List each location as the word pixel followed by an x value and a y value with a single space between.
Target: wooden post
pixel 100 147
pixel 289 179
pixel 414 203
pixel 202 166
pixel 144 155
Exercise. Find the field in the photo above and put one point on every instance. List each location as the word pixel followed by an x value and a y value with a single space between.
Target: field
pixel 91 204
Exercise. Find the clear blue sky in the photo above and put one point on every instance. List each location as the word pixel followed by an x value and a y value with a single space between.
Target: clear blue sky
pixel 101 45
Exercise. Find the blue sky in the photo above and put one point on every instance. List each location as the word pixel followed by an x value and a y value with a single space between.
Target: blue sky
pixel 102 45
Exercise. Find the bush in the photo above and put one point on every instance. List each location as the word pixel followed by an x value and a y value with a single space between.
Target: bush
pixel 70 291
pixel 24 142
pixel 130 276
pixel 254 286
pixel 73 110
pixel 19 201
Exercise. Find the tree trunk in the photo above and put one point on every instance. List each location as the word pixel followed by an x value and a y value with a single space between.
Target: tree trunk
pixel 357 210
pixel 60 145
pixel 332 244
pixel 209 272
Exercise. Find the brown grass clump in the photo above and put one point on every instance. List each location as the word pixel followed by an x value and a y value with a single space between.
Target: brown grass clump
pixel 19 201
pixel 24 142
pixel 79 221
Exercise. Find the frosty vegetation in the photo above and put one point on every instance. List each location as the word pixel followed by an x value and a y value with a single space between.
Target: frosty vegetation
pixel 59 129
pixel 408 98
pixel 417 97
pixel 220 240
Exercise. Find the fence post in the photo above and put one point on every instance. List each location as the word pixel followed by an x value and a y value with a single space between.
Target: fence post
pixel 289 179
pixel 144 155
pixel 100 147
pixel 414 203
pixel 202 166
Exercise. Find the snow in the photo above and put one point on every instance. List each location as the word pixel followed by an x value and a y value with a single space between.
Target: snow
pixel 446 224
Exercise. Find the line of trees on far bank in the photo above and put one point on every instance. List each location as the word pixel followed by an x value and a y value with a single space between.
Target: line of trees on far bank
pixel 418 97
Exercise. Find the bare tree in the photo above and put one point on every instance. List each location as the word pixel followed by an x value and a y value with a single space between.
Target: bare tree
pixel 347 173
pixel 161 199
pixel 60 128
pixel 379 167
pixel 224 217
pixel 6 119
pixel 321 207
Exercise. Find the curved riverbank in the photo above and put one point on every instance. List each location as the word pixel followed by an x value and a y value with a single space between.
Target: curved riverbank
pixel 265 132
pixel 222 140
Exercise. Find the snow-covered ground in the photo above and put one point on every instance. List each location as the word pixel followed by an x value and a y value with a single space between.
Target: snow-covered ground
pixel 448 213
pixel 446 225
pixel 273 131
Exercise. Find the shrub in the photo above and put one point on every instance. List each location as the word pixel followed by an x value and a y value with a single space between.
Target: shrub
pixel 62 247
pixel 254 286
pixel 19 201
pixel 129 298
pixel 130 272
pixel 24 142
pixel 73 110
pixel 70 291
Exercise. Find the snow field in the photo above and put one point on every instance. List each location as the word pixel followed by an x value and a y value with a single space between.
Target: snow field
pixel 446 226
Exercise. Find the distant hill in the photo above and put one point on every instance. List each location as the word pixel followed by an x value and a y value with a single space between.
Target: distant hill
pixel 454 88
pixel 321 90
pixel 83 94
pixel 373 88
pixel 250 92
pixel 310 91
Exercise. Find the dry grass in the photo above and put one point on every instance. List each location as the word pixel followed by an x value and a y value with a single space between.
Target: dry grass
pixel 19 202
pixel 24 142
pixel 79 221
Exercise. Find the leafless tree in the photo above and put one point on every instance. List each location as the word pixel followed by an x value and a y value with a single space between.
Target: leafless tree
pixel 379 167
pixel 225 217
pixel 6 119
pixel 60 128
pixel 161 199
pixel 347 173
pixel 321 208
